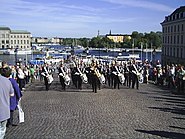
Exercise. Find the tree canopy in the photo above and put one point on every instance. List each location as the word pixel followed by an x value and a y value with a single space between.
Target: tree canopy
pixel 150 40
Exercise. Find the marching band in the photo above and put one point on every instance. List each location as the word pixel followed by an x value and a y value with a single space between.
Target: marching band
pixel 95 73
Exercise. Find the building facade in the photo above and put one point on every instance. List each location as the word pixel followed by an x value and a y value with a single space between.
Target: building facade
pixel 117 38
pixel 11 39
pixel 173 28
pixel 40 40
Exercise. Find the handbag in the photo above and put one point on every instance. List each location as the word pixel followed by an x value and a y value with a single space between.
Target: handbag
pixel 21 113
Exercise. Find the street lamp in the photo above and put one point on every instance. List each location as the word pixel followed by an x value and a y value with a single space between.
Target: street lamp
pixel 154 53
pixel 16 51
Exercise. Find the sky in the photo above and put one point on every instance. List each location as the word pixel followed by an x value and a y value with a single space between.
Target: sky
pixel 84 18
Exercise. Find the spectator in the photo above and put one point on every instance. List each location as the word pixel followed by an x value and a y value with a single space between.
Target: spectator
pixel 6 90
pixel 15 99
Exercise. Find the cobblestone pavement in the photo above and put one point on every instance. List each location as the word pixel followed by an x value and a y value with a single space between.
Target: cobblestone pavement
pixel 148 113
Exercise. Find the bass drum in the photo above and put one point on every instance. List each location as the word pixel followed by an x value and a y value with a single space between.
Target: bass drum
pixel 67 80
pixel 121 78
pixel 102 79
pixel 140 78
pixel 84 78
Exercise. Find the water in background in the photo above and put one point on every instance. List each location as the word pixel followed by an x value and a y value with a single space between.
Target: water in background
pixel 11 58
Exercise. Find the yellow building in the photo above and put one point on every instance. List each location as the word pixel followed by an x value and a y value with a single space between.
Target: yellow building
pixel 117 38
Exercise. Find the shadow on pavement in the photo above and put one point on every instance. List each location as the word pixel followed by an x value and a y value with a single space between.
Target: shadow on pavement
pixel 166 134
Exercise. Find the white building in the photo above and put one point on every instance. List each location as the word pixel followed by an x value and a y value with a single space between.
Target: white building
pixel 14 38
pixel 173 28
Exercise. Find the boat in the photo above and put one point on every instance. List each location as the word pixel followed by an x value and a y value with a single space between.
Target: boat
pixel 18 52
pixel 49 60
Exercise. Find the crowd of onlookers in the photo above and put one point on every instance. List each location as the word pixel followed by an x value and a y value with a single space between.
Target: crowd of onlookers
pixel 172 76
pixel 13 80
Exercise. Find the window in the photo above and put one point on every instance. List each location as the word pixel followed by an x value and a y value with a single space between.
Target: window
pixel 181 15
pixel 3 35
pixel 174 52
pixel 2 46
pixel 181 39
pixel 3 42
pixel 171 28
pixel 174 41
pixel 7 35
pixel 7 46
pixel 21 41
pixel 11 41
pixel 181 52
pixel 27 41
pixel 178 28
pixel 182 28
pixel 171 39
pixel 7 41
pixel 165 39
pixel 175 28
pixel 177 52
pixel 168 39
pixel 17 41
pixel 177 39
pixel 14 41
pixel 168 29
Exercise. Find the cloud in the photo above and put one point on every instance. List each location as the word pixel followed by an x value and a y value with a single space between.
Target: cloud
pixel 142 4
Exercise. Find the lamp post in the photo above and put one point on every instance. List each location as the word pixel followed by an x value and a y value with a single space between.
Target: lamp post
pixel 141 51
pixel 146 51
pixel 16 51
pixel 133 46
pixel 151 53
pixel 99 50
pixel 154 53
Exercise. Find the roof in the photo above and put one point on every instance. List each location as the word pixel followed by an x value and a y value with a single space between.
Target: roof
pixel 20 32
pixel 179 10
pixel 4 28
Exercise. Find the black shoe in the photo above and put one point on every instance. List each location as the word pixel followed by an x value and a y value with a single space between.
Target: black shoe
pixel 14 125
